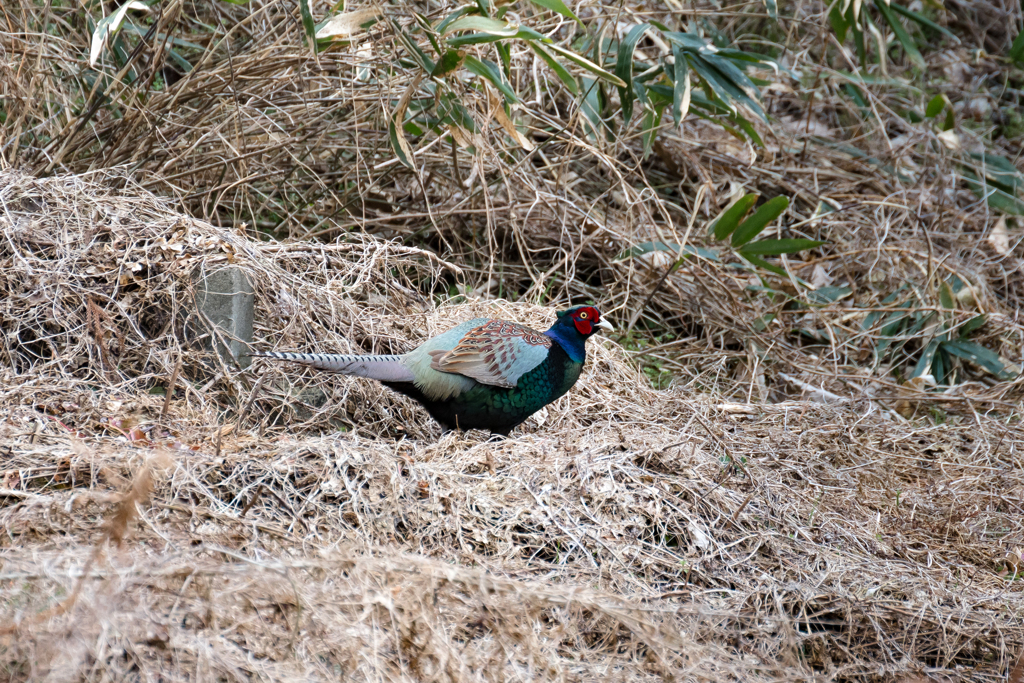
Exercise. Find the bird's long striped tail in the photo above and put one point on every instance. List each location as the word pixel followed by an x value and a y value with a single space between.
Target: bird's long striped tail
pixel 383 368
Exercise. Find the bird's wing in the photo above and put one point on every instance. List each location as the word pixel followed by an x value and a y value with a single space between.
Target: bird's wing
pixel 496 352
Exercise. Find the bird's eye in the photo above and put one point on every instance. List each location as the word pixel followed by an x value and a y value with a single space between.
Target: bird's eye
pixel 584 315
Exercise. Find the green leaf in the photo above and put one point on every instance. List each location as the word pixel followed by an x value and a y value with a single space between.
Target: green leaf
pixel 826 295
pixel 591 106
pixel 680 86
pixel 562 73
pixel 972 325
pixel 648 247
pixel 1016 53
pixel 558 6
pixel 996 198
pixel 935 106
pixel 872 317
pixel 838 22
pixel 492 72
pixel 776 247
pixel 923 21
pixel 449 62
pixel 924 364
pixel 940 362
pixel 946 297
pixel 747 128
pixel 447 21
pixel 651 122
pixel 506 58
pixel 761 263
pixel 981 356
pixel 400 144
pixel 424 62
pixel 624 68
pixel 773 9
pixel 492 27
pixel 689 41
pixel 858 35
pixel 453 111
pixel 1001 172
pixel 586 64
pixel 764 215
pixel 909 46
pixel 308 25
pixel 731 217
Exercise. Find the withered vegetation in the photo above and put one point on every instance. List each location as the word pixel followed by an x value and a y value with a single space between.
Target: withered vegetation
pixel 742 486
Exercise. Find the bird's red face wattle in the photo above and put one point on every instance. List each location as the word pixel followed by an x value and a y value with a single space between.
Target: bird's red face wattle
pixel 585 319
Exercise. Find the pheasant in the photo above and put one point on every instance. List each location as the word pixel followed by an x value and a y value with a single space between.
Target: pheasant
pixel 482 374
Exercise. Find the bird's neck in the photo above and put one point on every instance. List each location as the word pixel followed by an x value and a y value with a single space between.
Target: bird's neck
pixel 571 341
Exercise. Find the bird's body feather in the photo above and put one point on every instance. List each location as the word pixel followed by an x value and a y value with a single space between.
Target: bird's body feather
pixel 482 374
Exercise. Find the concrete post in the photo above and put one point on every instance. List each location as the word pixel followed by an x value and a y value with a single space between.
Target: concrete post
pixel 225 297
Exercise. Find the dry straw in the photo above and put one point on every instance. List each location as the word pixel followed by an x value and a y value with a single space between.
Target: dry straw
pixel 330 531
pixel 784 511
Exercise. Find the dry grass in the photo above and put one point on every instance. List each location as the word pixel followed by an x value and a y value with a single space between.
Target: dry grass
pixel 633 534
pixel 786 509
pixel 261 132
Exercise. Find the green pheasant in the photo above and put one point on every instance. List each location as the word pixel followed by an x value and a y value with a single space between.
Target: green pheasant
pixel 482 374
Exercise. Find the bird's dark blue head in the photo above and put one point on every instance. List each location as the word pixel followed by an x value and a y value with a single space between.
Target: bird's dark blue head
pixel 572 328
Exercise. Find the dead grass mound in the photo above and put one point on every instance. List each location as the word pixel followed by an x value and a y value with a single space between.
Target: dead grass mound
pixel 276 523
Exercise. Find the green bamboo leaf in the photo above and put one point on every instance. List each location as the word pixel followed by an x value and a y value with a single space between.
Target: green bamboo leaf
pixel 935 106
pixel 527 33
pixel 505 53
pixel 449 62
pixel 494 27
pixel 764 215
pixel 985 358
pixel 1016 53
pixel 730 219
pixel 451 110
pixel 1001 172
pixel 400 144
pixel 731 74
pixel 858 35
pixel 940 362
pixel 492 72
pixel 718 88
pixel 648 247
pixel 624 68
pixel 688 41
pixel 776 247
pixel 872 317
pixel 923 21
pixel 838 22
pixel 562 73
pixel 749 129
pixel 651 123
pixel 827 295
pixel 586 64
pixel 773 9
pixel 308 25
pixel 924 364
pixel 909 46
pixel 558 6
pixel 592 105
pixel 996 198
pixel 421 59
pixel 447 21
pixel 761 263
pixel 972 325
pixel 680 86
pixel 950 120
pixel 946 297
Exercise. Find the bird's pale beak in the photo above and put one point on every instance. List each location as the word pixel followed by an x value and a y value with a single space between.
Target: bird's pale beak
pixel 606 325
